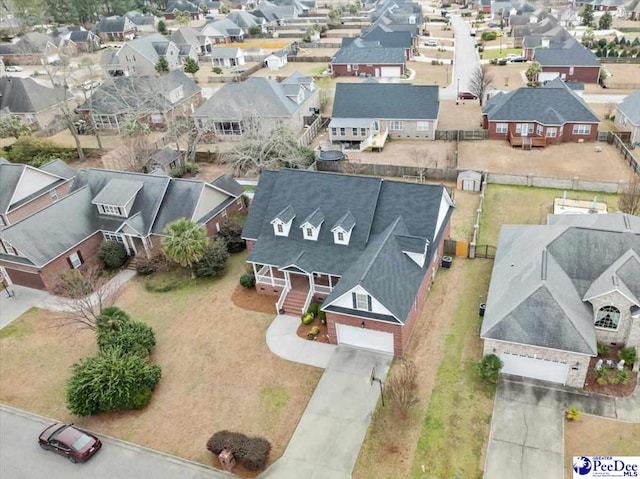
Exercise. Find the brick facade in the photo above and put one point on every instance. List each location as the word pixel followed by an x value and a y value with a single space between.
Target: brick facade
pixel 40 202
pixel 576 73
pixel 236 207
pixel 622 334
pixel 578 363
pixel 564 133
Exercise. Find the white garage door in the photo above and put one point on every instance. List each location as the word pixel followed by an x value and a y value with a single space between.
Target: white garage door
pixel 365 338
pixel 468 185
pixel 390 72
pixel 534 368
pixel 547 76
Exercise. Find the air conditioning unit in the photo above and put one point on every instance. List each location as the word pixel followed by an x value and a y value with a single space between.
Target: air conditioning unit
pixel 581 140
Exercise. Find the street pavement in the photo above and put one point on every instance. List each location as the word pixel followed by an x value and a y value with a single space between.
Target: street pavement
pixel 465 59
pixel 22 458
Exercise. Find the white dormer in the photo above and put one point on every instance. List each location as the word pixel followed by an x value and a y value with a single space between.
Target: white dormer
pixel 414 247
pixel 343 228
pixel 311 225
pixel 117 197
pixel 282 221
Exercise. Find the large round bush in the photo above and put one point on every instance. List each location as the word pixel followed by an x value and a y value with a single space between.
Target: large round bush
pixel 112 254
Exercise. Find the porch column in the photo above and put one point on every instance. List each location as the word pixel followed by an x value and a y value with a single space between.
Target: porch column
pixel 146 247
pixel 271 275
pixel 312 283
pixel 255 271
pixel 125 243
pixel 330 284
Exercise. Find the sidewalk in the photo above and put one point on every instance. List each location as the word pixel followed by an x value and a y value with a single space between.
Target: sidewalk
pixel 283 341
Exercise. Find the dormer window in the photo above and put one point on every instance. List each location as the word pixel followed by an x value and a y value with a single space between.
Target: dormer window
pixel 282 221
pixel 280 228
pixel 117 197
pixel 311 225
pixel 340 235
pixel 343 228
pixel 110 210
pixel 309 232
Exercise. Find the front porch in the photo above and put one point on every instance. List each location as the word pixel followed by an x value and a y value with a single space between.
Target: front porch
pixel 294 287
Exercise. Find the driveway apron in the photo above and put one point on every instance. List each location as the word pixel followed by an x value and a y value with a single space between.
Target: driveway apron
pixel 327 441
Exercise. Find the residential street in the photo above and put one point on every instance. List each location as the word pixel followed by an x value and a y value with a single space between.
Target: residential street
pixel 22 458
pixel 465 59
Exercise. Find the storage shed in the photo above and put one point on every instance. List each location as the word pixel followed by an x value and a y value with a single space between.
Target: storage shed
pixel 469 180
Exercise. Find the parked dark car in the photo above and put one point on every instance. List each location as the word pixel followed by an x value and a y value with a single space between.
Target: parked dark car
pixel 70 442
pixel 465 95
pixel 518 59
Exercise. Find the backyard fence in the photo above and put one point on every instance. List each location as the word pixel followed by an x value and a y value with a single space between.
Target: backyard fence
pixel 312 130
pixel 374 169
pixel 308 59
pixel 462 135
pixel 476 225
pixel 320 45
pixel 622 86
pixel 240 77
pixel 619 59
pixel 629 157
pixel 574 183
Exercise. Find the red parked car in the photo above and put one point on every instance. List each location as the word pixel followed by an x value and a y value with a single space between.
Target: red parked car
pixel 465 95
pixel 69 441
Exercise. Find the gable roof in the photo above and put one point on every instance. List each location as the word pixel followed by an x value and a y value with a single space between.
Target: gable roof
pixel 152 47
pixel 388 38
pixel 541 278
pixel 385 100
pixel 244 19
pixel 186 35
pixel 25 95
pixel 182 6
pixel 59 168
pixel 553 104
pixel 113 24
pixel 225 26
pixel 158 200
pixel 569 53
pixel 378 212
pixel 360 51
pixel 257 96
pixel 630 106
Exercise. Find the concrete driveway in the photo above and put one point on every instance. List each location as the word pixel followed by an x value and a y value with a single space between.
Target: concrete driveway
pixel 327 441
pixel 22 300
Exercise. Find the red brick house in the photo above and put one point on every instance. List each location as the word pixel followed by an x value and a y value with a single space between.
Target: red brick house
pixel 540 116
pixel 367 249
pixel 570 60
pixel 363 58
pixel 130 208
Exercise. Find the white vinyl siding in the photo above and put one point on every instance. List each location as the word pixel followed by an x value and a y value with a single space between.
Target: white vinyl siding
pixel 422 126
pixel 396 126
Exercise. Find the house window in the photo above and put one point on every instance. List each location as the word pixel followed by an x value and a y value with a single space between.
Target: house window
pixel 539 130
pixel 552 132
pixel 110 210
pixel 240 203
pixel 361 301
pixel 218 227
pixel 9 249
pixel 502 127
pixel 228 127
pixel 176 94
pixel 363 132
pixel 343 132
pixel 112 237
pixel 608 317
pixel 54 195
pixel 354 131
pixel 75 260
pixel 334 132
pixel 396 126
pixel 280 228
pixel 309 232
pixel 522 128
pixel 422 126
pixel 581 129
pixel 570 70
pixel 105 122
pixel 340 236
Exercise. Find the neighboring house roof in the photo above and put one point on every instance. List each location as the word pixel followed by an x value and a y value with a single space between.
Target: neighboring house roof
pixel 225 26
pixel 157 201
pixel 21 183
pixel 553 104
pixel 25 95
pixel 81 36
pixel 386 100
pixel 569 53
pixel 262 97
pixel 131 95
pixel 113 24
pixel 182 6
pixel 164 157
pixel 541 278
pixel 245 19
pixel 382 216
pixel 273 13
pixel 140 19
pixel 186 35
pixel 630 107
pixel 152 47
pixel 359 52
pixel 225 52
pixel 388 38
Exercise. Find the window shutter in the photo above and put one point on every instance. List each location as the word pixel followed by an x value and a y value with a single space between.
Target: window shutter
pixel 368 302
pixel 80 256
pixel 69 262
pixel 355 302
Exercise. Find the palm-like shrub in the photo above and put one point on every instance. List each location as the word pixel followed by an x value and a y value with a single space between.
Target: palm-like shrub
pixel 488 368
pixel 185 243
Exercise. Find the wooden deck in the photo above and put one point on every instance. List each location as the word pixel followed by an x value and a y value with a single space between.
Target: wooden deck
pixel 527 142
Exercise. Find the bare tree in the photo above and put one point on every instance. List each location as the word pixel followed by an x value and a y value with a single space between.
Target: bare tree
pixel 90 74
pixel 480 82
pixel 402 388
pixel 84 295
pixel 629 201
pixel 422 160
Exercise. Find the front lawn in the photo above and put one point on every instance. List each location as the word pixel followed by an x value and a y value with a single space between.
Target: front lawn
pixel 597 436
pixel 521 205
pixel 490 53
pixel 447 431
pixel 217 372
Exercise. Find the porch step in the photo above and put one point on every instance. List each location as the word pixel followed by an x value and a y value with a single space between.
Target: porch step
pixel 133 261
pixel 294 301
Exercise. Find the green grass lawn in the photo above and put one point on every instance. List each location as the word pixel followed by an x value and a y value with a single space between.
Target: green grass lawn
pixel 457 422
pixel 506 204
pixel 497 53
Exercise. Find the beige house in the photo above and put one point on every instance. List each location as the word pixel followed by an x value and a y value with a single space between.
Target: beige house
pixel 628 115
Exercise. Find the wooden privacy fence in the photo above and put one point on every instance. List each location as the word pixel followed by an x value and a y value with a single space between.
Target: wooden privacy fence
pixel 236 78
pixel 320 45
pixel 629 157
pixel 623 86
pixel 308 59
pixel 374 169
pixel 485 251
pixel 312 130
pixel 462 135
pixel 619 59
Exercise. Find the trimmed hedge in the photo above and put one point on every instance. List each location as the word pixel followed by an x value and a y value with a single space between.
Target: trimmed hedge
pixel 112 254
pixel 248 280
pixel 250 452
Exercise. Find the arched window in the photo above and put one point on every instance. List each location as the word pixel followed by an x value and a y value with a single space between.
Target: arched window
pixel 608 317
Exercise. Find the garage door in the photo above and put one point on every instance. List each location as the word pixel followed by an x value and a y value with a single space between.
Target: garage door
pixel 535 368
pixel 365 338
pixel 547 76
pixel 21 278
pixel 390 72
pixel 468 185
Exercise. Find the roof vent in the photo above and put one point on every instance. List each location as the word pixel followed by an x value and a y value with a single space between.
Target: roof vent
pixel 543 272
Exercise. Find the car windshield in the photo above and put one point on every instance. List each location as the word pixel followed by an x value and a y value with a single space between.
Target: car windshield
pixel 81 442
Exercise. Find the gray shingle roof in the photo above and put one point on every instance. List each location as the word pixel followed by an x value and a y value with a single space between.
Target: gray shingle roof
pixel 346 222
pixel 9 178
pixel 382 211
pixel 164 157
pixel 186 35
pixel 386 101
pixel 117 192
pixel 59 168
pixel 25 95
pixel 286 214
pixel 541 276
pixel 225 52
pixel 359 51
pixel 570 53
pixel 182 6
pixel 244 19
pixel 229 185
pixel 549 105
pixel 263 97
pixel 315 219
pixel 630 106
pixel 114 24
pixel 388 38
